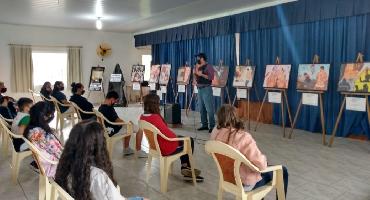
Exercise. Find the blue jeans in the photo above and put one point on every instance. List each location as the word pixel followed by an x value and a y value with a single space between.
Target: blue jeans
pixel 267 177
pixel 205 103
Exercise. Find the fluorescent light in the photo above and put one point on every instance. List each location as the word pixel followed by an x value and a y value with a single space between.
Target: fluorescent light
pixel 99 24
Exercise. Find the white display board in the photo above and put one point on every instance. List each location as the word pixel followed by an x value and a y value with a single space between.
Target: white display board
pixel 274 97
pixel 241 93
pixel 195 90
pixel 356 104
pixel 310 99
pixel 115 78
pixel 181 88
pixel 136 86
pixel 152 86
pixel 216 91
pixel 159 93
pixel 164 89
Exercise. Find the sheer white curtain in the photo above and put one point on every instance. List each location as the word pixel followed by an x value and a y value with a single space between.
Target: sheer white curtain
pixel 22 68
pixel 74 70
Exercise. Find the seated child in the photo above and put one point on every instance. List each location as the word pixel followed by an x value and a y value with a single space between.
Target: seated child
pixel 230 130
pixel 20 123
pixel 153 116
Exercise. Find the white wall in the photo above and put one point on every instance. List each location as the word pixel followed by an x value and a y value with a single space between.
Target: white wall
pixel 123 50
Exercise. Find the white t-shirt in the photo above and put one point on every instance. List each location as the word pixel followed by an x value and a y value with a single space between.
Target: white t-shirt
pixel 102 188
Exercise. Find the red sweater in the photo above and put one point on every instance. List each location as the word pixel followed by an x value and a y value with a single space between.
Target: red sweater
pixel 167 147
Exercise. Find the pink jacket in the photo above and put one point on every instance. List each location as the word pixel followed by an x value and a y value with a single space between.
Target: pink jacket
pixel 246 145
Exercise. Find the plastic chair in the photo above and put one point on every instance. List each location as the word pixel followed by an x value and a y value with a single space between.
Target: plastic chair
pixel 78 110
pixel 63 116
pixel 152 133
pixel 117 137
pixel 229 160
pixel 17 157
pixel 34 95
pixel 44 181
pixel 58 192
pixel 4 137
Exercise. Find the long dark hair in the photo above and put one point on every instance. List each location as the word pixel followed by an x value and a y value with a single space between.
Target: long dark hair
pixel 86 147
pixel 43 90
pixel 40 116
pixel 56 86
pixel 75 87
pixel 151 104
pixel 227 117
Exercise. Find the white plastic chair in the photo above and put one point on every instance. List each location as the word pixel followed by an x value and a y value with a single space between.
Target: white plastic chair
pixel 229 160
pixel 63 116
pixel 117 137
pixel 4 136
pixel 17 157
pixel 152 133
pixel 78 110
pixel 34 95
pixel 44 181
pixel 58 192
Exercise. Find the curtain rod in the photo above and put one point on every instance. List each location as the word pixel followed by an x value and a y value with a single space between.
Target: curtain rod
pixel 45 46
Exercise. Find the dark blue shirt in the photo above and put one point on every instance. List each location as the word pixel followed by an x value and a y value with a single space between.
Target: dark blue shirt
pixel 111 115
pixel 58 95
pixel 84 104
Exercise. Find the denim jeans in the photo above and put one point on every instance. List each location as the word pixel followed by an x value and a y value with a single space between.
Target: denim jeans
pixel 205 103
pixel 267 177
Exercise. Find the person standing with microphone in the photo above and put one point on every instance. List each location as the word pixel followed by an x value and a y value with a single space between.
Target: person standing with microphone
pixel 204 74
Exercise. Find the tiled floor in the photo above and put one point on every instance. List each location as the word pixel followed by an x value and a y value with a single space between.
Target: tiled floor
pixel 316 172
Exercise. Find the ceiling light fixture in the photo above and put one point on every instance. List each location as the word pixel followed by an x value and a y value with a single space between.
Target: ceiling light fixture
pixel 99 24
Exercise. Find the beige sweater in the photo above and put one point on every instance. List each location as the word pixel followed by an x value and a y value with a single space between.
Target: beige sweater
pixel 246 145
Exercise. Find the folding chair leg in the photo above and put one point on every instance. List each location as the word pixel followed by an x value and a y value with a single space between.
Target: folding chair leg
pixel 56 126
pixel 110 147
pixel 148 168
pixel 192 168
pixel 61 124
pixel 42 187
pixel 5 146
pixel 280 184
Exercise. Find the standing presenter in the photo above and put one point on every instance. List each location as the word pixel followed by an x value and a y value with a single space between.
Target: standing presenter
pixel 204 75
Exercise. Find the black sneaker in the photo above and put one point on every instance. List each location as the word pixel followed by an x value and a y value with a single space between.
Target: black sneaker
pixel 210 130
pixel 199 179
pixel 34 167
pixel 203 128
pixel 186 171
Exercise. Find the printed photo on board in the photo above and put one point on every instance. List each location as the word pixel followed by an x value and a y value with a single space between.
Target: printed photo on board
pixel 137 73
pixel 165 74
pixel 220 76
pixel 243 76
pixel 154 73
pixel 183 75
pixel 313 77
pixel 96 78
pixel 355 77
pixel 277 76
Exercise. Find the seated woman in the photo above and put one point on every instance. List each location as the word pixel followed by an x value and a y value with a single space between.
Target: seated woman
pixel 77 98
pixel 58 95
pixel 5 111
pixel 46 90
pixel 42 136
pixel 230 130
pixel 10 101
pixel 153 116
pixel 85 170
pixel 21 122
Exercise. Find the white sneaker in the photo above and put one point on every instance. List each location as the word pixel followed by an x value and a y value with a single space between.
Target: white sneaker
pixel 128 151
pixel 141 154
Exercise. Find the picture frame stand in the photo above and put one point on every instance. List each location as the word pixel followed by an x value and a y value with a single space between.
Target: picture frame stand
pixel 322 116
pixel 284 100
pixel 248 104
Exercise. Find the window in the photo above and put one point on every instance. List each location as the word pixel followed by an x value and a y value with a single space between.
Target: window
pixel 49 66
pixel 146 60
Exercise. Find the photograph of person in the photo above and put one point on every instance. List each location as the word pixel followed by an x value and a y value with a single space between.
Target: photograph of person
pixel 137 73
pixel 183 75
pixel 355 77
pixel 220 76
pixel 277 76
pixel 154 73
pixel 243 76
pixel 165 74
pixel 313 77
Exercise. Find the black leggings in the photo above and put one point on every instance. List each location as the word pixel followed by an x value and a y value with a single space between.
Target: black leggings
pixel 185 158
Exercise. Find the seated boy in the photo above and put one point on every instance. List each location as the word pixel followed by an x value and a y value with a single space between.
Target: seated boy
pixel 107 109
pixel 20 123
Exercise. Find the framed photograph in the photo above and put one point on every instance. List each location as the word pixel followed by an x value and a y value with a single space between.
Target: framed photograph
pixel 313 77
pixel 183 75
pixel 154 73
pixel 96 78
pixel 220 76
pixel 277 76
pixel 243 76
pixel 137 73
pixel 354 77
pixel 165 74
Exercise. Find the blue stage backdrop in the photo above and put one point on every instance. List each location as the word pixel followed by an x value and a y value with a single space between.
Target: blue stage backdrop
pixel 295 32
pixel 178 53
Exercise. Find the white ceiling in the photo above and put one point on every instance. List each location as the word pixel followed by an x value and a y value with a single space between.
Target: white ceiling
pixel 131 16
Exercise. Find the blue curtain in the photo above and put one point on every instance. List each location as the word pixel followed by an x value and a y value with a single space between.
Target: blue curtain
pixel 336 41
pixel 178 53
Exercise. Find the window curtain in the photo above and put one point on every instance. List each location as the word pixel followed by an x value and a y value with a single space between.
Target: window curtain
pixel 74 70
pixel 336 41
pixel 179 53
pixel 22 68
